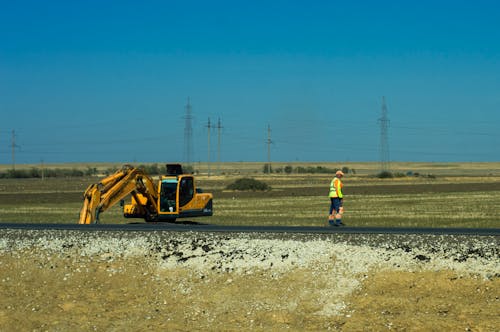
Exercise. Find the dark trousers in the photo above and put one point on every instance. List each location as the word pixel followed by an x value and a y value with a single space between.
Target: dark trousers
pixel 335 205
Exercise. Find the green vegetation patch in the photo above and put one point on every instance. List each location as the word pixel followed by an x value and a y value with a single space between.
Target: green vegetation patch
pixel 245 184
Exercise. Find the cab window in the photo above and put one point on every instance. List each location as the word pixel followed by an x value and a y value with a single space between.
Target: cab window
pixel 186 190
pixel 167 196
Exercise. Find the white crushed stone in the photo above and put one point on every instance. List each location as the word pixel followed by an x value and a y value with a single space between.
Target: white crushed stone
pixel 241 253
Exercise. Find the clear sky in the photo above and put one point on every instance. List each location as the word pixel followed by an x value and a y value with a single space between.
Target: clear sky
pixel 108 81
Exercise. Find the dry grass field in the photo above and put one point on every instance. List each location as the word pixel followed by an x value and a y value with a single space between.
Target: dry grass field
pixel 444 195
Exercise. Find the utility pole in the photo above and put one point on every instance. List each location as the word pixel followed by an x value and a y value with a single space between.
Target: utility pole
pixel 219 127
pixel 384 141
pixel 269 141
pixel 13 141
pixel 208 148
pixel 188 134
pixel 43 170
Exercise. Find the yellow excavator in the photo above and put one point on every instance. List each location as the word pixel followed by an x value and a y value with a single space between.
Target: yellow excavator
pixel 173 196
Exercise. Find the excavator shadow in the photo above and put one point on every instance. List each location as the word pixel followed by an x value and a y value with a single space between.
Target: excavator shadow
pixel 183 222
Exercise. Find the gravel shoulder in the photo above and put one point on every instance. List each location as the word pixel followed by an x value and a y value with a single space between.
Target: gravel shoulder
pixel 71 280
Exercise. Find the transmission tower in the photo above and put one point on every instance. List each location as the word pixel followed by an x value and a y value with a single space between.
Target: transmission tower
pixel 384 141
pixel 13 146
pixel 188 134
pixel 208 148
pixel 269 141
pixel 219 127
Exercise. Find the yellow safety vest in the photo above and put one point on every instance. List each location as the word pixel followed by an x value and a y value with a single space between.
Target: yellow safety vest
pixel 336 188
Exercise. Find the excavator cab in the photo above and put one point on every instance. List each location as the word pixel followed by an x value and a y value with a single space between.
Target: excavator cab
pixel 179 198
pixel 173 190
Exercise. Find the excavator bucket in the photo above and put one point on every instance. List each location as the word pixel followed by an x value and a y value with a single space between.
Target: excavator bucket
pixel 91 200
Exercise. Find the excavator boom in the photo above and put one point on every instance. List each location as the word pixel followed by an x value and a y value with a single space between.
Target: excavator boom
pixel 112 189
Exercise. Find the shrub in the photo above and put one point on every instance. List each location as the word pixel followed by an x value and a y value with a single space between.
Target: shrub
pixel 317 170
pixel 188 169
pixel 248 184
pixel 152 169
pixel 267 169
pixel 385 175
pixel 399 175
pixel 90 171
pixel 37 173
pixel 110 170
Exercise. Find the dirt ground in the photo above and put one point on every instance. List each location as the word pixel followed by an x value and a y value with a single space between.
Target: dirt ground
pixel 68 293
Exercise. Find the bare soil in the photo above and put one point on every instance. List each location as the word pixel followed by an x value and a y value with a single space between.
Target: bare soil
pixel 40 296
pixel 251 285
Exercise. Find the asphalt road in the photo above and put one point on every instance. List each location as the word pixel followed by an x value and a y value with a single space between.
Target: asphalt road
pixel 196 227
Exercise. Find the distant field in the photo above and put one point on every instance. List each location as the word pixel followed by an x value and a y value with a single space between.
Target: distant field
pixel 361 168
pixel 456 195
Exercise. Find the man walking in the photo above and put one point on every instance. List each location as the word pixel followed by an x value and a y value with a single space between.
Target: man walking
pixel 336 198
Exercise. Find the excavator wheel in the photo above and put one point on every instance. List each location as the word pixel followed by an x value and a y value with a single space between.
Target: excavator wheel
pixel 150 218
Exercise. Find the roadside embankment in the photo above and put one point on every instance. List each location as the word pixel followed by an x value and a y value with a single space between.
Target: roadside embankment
pixel 59 280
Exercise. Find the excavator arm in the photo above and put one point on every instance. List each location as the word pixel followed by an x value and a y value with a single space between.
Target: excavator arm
pixel 129 180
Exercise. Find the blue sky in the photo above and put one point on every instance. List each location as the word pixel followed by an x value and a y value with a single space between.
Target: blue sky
pixel 92 81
